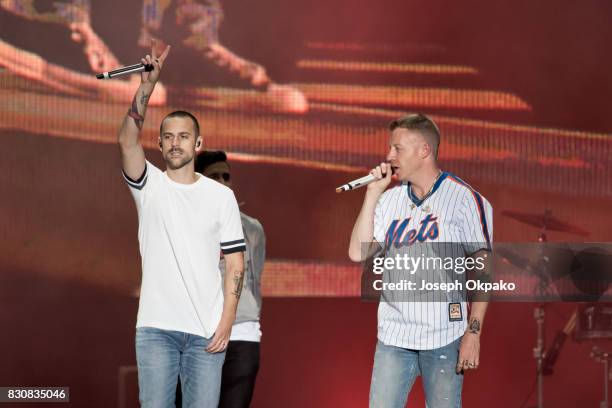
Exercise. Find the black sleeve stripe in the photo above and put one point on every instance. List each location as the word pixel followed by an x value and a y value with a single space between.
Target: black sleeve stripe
pixel 139 183
pixel 137 186
pixel 240 248
pixel 226 247
pixel 229 243
pixel 140 179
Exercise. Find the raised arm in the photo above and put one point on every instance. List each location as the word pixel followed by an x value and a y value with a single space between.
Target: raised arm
pixel 132 152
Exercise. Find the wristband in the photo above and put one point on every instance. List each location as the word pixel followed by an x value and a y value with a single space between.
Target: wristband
pixel 135 115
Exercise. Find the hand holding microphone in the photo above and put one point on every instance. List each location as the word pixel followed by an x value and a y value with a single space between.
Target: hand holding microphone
pixel 130 69
pixel 150 67
pixel 378 179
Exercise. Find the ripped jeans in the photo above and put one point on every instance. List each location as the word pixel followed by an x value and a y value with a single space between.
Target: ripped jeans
pixel 395 370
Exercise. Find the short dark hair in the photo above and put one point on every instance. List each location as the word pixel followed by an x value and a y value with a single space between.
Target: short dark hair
pixel 182 114
pixel 209 157
pixel 422 124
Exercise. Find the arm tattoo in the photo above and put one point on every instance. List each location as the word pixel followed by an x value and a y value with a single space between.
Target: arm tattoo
pixel 133 112
pixel 238 280
pixel 144 99
pixel 474 326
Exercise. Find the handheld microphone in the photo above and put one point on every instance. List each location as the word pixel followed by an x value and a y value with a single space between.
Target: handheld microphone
pixel 360 182
pixel 130 69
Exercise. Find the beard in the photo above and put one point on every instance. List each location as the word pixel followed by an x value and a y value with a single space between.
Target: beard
pixel 175 163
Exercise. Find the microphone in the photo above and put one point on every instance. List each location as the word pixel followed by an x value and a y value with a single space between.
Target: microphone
pixel 130 69
pixel 360 182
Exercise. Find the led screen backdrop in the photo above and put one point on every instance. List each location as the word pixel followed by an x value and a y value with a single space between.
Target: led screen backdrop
pixel 299 94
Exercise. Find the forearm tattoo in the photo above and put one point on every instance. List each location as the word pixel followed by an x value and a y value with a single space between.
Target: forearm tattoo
pixel 238 280
pixel 474 326
pixel 144 99
pixel 133 112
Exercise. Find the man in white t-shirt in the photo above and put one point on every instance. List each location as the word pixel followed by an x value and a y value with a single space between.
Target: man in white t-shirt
pixel 430 210
pixel 185 221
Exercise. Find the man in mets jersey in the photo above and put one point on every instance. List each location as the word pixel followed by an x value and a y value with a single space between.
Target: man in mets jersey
pixel 433 339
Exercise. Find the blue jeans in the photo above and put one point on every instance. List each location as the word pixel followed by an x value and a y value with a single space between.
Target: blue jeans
pixel 163 355
pixel 396 368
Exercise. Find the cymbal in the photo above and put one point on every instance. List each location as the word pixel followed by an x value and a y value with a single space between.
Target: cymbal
pixel 551 222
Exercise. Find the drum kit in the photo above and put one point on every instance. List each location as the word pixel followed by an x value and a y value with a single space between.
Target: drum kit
pixel 590 321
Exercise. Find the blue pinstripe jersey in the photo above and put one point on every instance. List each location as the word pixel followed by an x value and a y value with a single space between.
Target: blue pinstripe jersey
pixel 451 212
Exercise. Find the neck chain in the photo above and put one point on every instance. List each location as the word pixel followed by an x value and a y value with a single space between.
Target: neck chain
pixel 414 198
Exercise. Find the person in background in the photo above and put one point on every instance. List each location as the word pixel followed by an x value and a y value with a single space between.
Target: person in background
pixel 242 355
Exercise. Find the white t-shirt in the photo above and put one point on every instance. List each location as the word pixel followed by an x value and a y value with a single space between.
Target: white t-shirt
pixel 181 230
pixel 246 331
pixel 452 212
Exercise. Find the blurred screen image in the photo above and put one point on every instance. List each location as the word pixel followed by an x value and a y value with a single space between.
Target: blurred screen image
pixel 300 97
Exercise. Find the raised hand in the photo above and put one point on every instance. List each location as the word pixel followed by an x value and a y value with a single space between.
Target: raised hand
pixel 152 77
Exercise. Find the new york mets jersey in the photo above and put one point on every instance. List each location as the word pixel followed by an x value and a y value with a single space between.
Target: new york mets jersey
pixel 451 212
